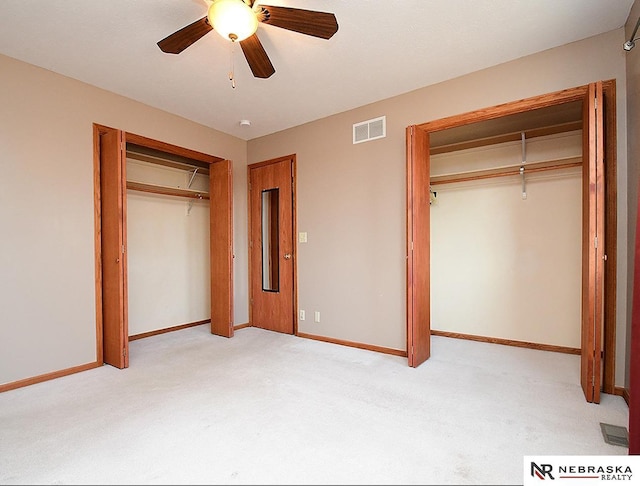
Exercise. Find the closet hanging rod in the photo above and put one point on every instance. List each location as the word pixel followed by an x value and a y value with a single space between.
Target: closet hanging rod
pixel 166 191
pixel 631 43
pixel 507 170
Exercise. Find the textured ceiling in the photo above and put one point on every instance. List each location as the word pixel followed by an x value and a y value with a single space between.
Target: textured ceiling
pixel 381 49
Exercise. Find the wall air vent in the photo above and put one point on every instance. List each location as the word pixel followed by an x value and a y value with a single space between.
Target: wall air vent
pixel 370 130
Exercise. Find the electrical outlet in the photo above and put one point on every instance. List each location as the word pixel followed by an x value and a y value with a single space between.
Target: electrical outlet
pixel 301 315
pixel 316 316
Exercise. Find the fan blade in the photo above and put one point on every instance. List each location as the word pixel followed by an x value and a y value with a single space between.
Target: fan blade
pixel 310 22
pixel 257 58
pixel 183 38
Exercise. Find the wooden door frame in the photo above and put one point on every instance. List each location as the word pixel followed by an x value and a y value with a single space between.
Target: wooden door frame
pixel 294 211
pixel 610 182
pixel 222 320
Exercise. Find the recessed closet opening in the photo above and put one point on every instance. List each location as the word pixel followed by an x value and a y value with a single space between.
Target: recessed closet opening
pixel 506 229
pixel 168 241
pixel 511 228
pixel 164 241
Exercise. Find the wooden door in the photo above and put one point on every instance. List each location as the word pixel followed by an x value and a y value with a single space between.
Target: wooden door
pixel 418 247
pixel 112 241
pixel 271 245
pixel 221 245
pixel 593 243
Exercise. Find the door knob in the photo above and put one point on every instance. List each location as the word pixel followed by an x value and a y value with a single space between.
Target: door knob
pixel 287 256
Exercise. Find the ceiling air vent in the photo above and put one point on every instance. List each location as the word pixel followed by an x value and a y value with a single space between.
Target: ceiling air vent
pixel 370 130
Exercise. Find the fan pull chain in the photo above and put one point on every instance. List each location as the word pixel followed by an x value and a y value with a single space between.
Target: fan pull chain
pixel 231 68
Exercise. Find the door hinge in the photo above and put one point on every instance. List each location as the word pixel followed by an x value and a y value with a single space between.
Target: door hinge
pixel 124 351
pixel 595 241
pixel 123 249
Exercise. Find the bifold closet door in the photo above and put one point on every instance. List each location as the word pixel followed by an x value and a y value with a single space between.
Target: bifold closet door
pixel 221 245
pixel 418 247
pixel 593 225
pixel 593 257
pixel 113 257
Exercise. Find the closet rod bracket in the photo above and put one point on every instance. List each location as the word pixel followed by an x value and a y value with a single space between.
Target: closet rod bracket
pixel 193 176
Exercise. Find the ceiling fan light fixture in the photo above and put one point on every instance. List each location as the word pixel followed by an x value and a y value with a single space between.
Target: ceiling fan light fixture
pixel 232 19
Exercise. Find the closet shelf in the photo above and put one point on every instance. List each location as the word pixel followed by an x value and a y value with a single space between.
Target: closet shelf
pixel 507 170
pixel 507 137
pixel 202 167
pixel 167 191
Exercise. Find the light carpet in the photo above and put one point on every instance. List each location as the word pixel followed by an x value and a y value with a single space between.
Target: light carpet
pixel 270 408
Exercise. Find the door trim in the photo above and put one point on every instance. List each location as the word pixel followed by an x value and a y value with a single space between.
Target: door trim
pixel 610 273
pixel 294 216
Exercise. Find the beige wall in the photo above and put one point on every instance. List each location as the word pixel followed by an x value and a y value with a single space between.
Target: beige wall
pixel 352 198
pixel 633 126
pixel 504 265
pixel 47 275
pixel 168 262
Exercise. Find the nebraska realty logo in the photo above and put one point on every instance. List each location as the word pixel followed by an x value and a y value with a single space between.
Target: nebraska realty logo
pixel 585 469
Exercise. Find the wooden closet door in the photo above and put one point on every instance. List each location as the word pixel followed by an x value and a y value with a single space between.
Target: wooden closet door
pixel 592 243
pixel 221 246
pixel 418 247
pixel 113 237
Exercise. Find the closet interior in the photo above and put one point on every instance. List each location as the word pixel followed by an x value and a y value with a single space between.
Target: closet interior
pixel 506 228
pixel 168 240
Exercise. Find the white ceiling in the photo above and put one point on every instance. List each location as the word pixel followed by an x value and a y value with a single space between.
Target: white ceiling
pixel 382 48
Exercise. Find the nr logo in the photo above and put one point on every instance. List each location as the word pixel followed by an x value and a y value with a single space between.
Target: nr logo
pixel 541 471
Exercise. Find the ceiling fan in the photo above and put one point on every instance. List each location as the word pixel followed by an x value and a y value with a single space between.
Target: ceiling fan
pixel 238 20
